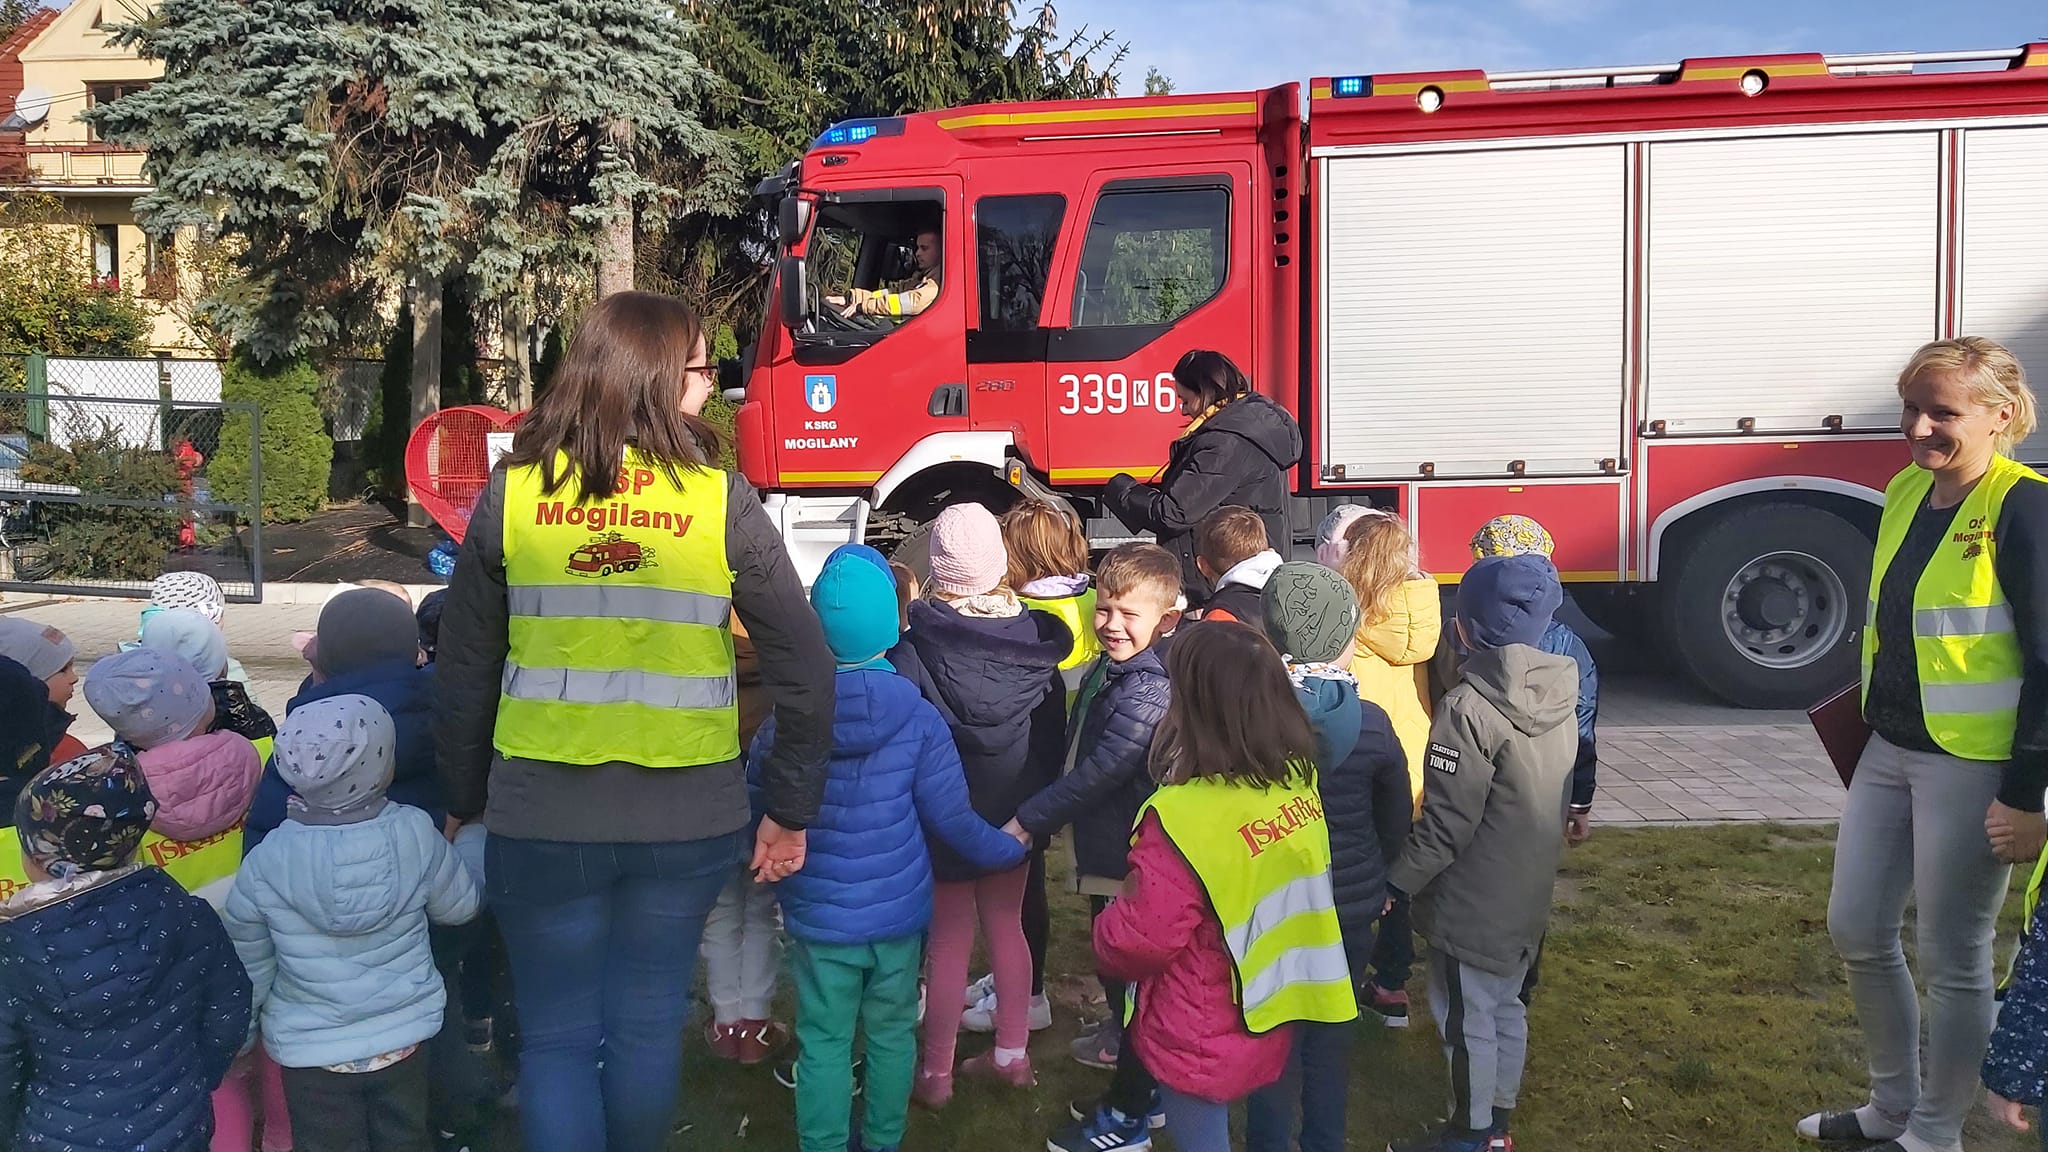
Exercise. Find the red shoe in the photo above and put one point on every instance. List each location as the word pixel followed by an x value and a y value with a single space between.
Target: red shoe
pixel 931 1091
pixel 1390 1006
pixel 758 1039
pixel 723 1039
pixel 984 1067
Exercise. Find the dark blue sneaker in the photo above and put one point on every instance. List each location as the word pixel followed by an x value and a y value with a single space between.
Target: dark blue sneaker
pixel 1446 1139
pixel 1103 1132
pixel 1085 1110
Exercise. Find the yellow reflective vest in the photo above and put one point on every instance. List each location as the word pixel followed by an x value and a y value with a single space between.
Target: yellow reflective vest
pixel 1078 614
pixel 1965 641
pixel 205 868
pixel 1263 857
pixel 619 644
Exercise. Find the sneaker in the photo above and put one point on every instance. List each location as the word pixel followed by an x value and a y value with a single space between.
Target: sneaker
pixel 931 1090
pixel 785 1075
pixel 724 1039
pixel 982 989
pixel 982 1017
pixel 1446 1139
pixel 1838 1130
pixel 477 1033
pixel 758 1039
pixel 984 1067
pixel 1099 1049
pixel 1103 1132
pixel 449 1142
pixel 920 1001
pixel 1085 1110
pixel 1390 1006
pixel 1500 1142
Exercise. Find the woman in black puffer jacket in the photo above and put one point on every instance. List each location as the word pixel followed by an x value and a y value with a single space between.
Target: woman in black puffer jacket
pixel 1237 449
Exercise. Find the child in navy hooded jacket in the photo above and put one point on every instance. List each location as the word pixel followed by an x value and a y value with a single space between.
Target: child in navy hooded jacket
pixel 857 911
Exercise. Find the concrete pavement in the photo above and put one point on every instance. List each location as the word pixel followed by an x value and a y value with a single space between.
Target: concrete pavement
pixel 1667 756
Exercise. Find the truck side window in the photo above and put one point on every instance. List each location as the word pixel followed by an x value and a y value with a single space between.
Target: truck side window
pixel 1014 239
pixel 1152 256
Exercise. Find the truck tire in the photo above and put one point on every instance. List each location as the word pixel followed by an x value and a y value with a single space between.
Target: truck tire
pixel 1765 606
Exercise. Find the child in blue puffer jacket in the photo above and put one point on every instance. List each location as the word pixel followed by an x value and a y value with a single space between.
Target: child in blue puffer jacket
pixel 330 916
pixel 857 912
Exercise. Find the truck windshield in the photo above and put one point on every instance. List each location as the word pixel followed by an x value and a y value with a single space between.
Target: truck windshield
pixel 875 266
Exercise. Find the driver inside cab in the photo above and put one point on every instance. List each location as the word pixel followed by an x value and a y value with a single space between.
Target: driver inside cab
pixel 907 298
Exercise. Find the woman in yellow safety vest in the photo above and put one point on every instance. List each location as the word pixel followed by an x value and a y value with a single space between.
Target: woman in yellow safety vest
pixel 1948 792
pixel 588 714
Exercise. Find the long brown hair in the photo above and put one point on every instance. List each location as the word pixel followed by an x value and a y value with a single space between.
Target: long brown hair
pixel 1379 557
pixel 1043 541
pixel 1234 714
pixel 621 382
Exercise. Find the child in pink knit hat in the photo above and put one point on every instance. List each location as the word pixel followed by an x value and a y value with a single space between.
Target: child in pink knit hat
pixel 991 668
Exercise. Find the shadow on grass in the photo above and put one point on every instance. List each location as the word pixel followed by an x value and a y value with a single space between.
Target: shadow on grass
pixel 1690 1002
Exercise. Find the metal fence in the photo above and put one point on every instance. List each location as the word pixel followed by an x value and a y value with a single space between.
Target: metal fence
pixel 102 489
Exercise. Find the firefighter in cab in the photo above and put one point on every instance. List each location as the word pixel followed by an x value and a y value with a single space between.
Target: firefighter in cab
pixel 1947 794
pixel 912 296
pixel 588 714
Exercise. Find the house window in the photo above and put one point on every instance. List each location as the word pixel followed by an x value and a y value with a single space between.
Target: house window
pixel 106 255
pixel 106 92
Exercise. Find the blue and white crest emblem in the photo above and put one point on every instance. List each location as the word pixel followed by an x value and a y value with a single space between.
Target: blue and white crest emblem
pixel 821 392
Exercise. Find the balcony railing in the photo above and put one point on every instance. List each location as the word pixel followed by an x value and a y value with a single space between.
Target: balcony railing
pixel 80 165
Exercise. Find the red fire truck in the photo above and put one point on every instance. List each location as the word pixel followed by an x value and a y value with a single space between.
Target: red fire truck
pixel 1661 309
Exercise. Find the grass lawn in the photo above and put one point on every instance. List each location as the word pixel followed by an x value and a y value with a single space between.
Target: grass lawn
pixel 1690 1000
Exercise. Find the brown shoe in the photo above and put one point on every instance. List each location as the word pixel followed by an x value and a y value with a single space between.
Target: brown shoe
pixel 723 1039
pixel 931 1091
pixel 984 1067
pixel 758 1040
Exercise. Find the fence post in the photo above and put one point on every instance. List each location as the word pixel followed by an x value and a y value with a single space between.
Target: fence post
pixel 256 501
pixel 37 416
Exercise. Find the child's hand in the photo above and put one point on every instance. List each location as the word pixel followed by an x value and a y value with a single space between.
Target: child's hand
pixel 1577 827
pixel 2006 1111
pixel 1016 832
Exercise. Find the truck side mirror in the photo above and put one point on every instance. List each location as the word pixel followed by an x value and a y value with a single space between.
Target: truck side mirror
pixel 795 301
pixel 792 220
pixel 732 380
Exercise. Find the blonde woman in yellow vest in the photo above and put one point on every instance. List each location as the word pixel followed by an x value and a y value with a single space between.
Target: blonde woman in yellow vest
pixel 588 714
pixel 1227 922
pixel 1948 793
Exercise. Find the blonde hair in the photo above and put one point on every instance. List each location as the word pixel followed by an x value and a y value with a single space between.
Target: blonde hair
pixel 1139 565
pixel 1043 540
pixel 907 589
pixel 1378 558
pixel 1992 374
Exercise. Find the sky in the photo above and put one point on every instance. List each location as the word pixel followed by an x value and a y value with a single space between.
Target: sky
pixel 1225 45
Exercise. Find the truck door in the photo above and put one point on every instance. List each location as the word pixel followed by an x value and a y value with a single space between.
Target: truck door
pixel 865 388
pixel 1163 266
pixel 1016 243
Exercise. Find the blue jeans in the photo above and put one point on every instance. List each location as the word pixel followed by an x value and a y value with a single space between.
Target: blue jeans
pixel 1197 1125
pixel 603 944
pixel 1317 1077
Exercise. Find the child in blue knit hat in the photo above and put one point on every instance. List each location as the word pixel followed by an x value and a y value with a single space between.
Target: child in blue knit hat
pixel 856 913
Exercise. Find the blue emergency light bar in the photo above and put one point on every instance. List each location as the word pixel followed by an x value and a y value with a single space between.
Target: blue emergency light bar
pixel 858 131
pixel 1345 86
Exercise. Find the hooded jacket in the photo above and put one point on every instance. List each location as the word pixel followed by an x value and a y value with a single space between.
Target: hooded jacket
pixel 404 691
pixel 996 683
pixel 894 778
pixel 331 922
pixel 1560 640
pixel 1111 777
pixel 1392 666
pixel 1481 860
pixel 124 1005
pixel 1240 593
pixel 1354 745
pixel 1239 455
pixel 203 784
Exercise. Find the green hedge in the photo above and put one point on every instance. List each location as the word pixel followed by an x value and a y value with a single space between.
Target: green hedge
pixel 297 452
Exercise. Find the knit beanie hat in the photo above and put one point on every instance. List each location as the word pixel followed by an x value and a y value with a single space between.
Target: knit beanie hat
pixel 149 698
pixel 866 553
pixel 87 814
pixel 1507 600
pixel 362 628
pixel 338 755
pixel 1511 536
pixel 29 724
pixel 194 590
pixel 428 619
pixel 968 557
pixel 191 637
pixel 41 649
pixel 1311 612
pixel 856 604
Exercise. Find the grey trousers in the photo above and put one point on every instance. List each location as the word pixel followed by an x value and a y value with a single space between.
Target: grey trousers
pixel 1914 826
pixel 1484 1023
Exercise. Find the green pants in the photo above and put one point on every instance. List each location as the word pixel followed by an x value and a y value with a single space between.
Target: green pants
pixel 839 986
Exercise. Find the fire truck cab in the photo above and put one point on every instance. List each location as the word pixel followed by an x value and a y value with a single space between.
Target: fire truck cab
pixel 1661 309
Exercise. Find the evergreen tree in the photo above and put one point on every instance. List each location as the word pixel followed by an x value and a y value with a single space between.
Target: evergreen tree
pixel 297 452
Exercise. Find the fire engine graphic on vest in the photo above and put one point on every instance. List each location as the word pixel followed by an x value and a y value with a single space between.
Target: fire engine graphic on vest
pixel 610 553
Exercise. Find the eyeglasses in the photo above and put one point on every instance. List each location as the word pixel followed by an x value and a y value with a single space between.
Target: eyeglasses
pixel 708 371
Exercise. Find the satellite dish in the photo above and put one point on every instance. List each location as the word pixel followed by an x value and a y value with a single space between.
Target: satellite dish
pixel 32 105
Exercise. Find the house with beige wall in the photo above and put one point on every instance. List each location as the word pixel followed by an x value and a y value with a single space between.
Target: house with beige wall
pixel 58 65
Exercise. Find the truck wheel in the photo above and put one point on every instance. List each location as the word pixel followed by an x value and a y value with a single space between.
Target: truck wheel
pixel 1765 606
pixel 605 571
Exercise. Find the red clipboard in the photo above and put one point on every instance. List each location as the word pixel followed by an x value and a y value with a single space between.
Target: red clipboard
pixel 1838 721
